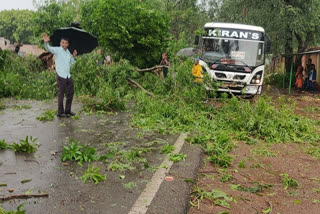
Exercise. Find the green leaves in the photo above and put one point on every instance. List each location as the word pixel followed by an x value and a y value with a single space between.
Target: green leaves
pixel 128 28
pixel 17 25
pixel 3 144
pixel 79 153
pixel 52 14
pixel 168 148
pixel 177 157
pixel 47 115
pixel 288 182
pixel 216 196
pixel 93 175
pixel 28 145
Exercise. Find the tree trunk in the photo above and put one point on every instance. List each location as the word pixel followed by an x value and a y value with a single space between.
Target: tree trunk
pixel 289 39
pixel 288 50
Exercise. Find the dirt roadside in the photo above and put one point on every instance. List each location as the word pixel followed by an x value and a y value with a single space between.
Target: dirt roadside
pixel 254 182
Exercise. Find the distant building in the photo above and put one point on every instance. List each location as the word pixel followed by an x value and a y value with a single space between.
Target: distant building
pixel 24 49
pixel 4 42
pixel 312 53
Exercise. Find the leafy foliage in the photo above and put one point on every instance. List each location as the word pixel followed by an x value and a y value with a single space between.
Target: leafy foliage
pixel 288 182
pixel 177 157
pixel 28 145
pixel 93 175
pixel 18 211
pixel 17 25
pixel 47 115
pixel 128 28
pixel 25 78
pixel 3 144
pixel 166 149
pixel 53 14
pixel 216 196
pixel 79 153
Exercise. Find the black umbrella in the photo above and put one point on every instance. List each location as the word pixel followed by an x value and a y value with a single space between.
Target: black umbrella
pixel 79 39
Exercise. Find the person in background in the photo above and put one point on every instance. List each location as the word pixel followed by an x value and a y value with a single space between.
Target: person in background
pixel 197 71
pixel 165 62
pixel 101 61
pixel 306 74
pixel 17 51
pixel 312 78
pixel 64 61
pixel 299 77
pixel 108 60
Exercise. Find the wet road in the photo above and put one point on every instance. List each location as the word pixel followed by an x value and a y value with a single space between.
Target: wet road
pixel 67 193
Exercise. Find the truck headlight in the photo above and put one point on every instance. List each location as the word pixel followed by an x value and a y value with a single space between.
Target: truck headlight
pixel 256 79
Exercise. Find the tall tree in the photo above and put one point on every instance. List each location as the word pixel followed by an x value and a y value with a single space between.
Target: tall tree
pixel 53 14
pixel 129 28
pixel 16 25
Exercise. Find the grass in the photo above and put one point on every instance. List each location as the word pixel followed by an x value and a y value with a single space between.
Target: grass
pixel 93 175
pixel 225 177
pixel 242 164
pixel 312 109
pixel 263 151
pixel 29 145
pixel 288 182
pixel 255 189
pixel 2 106
pixel 20 107
pixel 48 115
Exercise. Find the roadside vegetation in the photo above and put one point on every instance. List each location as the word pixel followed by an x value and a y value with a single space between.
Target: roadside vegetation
pixel 216 122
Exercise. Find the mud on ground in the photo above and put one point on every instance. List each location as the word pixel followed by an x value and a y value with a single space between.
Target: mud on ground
pixel 254 182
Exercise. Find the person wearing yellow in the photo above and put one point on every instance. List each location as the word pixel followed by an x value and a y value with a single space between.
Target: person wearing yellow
pixel 197 71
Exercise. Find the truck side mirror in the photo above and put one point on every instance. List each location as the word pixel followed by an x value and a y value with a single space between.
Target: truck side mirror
pixel 196 40
pixel 268 45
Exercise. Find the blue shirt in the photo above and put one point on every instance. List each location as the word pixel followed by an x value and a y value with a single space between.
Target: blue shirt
pixel 63 60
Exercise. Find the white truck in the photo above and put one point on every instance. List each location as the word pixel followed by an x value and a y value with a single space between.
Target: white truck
pixel 234 55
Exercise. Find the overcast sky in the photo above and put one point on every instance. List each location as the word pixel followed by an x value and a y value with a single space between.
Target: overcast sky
pixel 16 4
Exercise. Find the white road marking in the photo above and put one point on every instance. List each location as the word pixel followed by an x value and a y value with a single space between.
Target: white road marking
pixel 143 202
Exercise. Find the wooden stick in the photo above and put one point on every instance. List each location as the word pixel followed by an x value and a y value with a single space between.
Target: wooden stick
pixel 139 86
pixel 151 69
pixel 24 196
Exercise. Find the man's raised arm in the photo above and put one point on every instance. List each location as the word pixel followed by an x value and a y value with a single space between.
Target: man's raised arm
pixel 46 40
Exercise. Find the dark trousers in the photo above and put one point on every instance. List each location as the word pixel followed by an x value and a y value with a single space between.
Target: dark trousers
pixel 310 85
pixel 65 86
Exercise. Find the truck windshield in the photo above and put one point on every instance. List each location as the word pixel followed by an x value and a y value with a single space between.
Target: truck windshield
pixel 241 52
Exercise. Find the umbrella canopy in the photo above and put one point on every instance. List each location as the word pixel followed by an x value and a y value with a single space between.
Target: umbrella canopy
pixel 188 52
pixel 79 39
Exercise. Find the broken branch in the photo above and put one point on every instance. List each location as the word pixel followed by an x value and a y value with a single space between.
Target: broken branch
pixel 139 86
pixel 151 69
pixel 23 196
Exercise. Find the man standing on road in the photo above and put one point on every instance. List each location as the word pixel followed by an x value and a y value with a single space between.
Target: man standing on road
pixel 63 60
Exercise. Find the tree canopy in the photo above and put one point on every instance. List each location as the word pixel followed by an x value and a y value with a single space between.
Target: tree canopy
pixel 52 14
pixel 17 25
pixel 129 28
